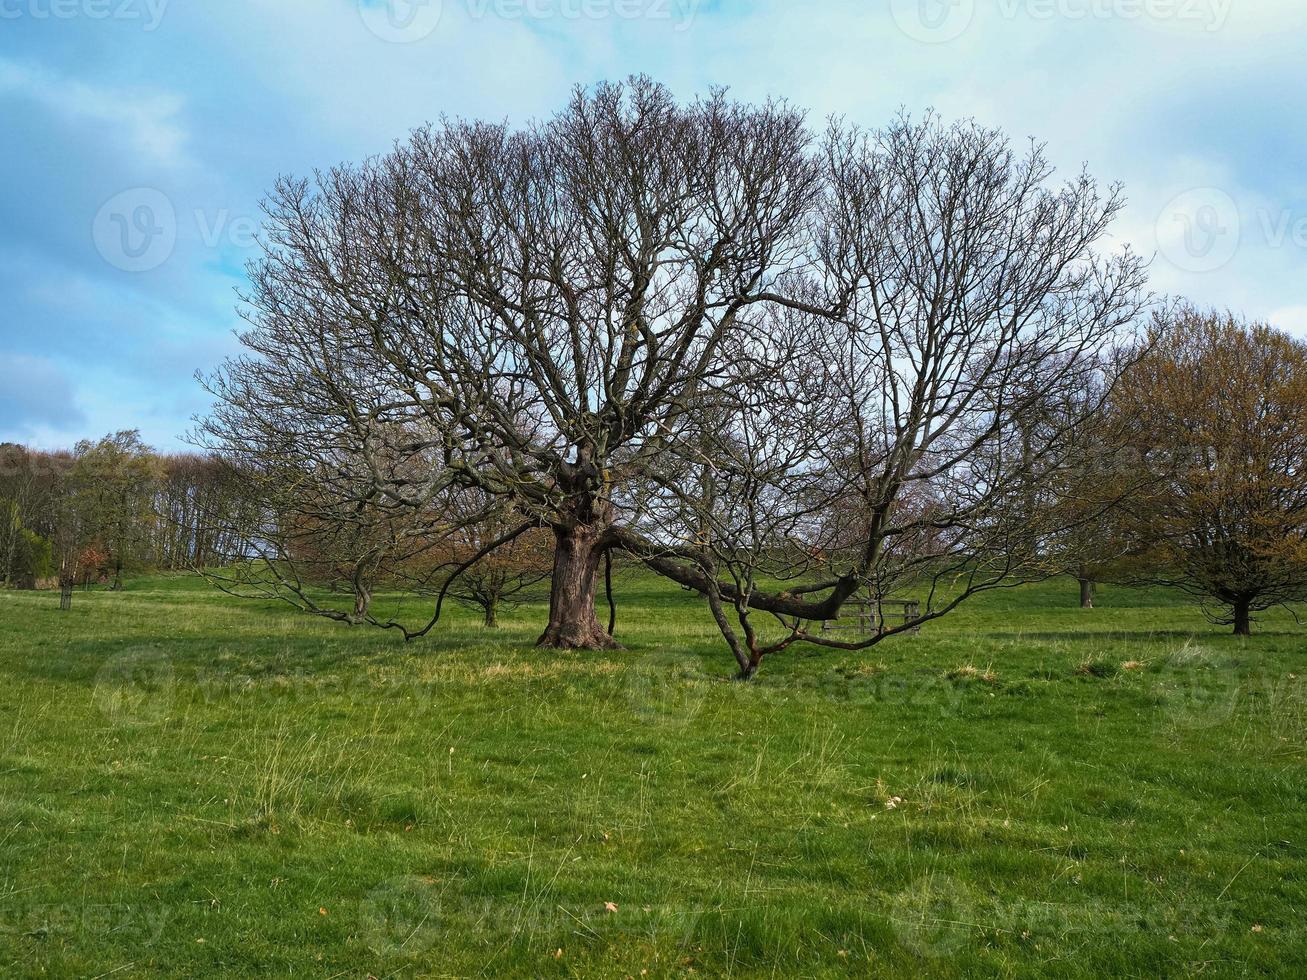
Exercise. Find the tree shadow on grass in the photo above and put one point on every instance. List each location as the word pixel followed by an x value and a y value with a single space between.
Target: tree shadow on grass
pixel 1082 636
pixel 1136 636
pixel 250 645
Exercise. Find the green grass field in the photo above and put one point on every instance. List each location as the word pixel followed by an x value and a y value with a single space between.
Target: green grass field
pixel 195 786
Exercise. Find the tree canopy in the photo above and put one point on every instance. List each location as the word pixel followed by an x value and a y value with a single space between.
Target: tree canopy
pixel 1229 524
pixel 690 333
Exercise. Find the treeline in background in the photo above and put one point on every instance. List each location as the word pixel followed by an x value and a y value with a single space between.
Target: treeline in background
pixel 1190 474
pixel 115 507
pixel 108 508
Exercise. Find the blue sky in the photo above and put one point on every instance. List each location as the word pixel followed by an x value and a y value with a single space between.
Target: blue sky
pixel 139 136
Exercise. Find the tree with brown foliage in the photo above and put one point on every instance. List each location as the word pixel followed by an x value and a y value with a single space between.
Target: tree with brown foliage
pixel 1230 526
pixel 117 478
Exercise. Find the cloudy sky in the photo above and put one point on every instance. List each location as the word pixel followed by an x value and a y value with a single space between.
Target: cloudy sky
pixel 139 136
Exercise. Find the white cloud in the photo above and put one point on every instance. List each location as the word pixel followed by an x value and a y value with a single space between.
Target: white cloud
pixel 147 122
pixel 286 85
pixel 1290 318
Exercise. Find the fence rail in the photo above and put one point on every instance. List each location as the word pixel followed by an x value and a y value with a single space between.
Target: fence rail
pixel 868 616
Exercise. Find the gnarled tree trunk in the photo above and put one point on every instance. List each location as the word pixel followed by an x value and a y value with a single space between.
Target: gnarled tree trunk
pixel 362 602
pixel 578 553
pixel 580 540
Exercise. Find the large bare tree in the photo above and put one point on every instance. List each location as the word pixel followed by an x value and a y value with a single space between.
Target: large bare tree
pixel 599 317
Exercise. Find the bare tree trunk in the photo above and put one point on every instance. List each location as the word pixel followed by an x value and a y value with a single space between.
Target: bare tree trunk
pixel 1086 593
pixel 362 601
pixel 362 595
pixel 608 591
pixel 492 609
pixel 747 667
pixel 11 545
pixel 572 622
pixel 65 590
pixel 67 580
pixel 1243 623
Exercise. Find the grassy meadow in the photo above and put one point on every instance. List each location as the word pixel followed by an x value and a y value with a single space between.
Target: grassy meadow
pixel 191 785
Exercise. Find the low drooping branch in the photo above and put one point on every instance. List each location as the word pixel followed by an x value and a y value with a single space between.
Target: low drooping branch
pixel 790 604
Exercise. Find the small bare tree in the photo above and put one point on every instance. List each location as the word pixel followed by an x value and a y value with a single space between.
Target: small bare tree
pixel 308 524
pixel 504 576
